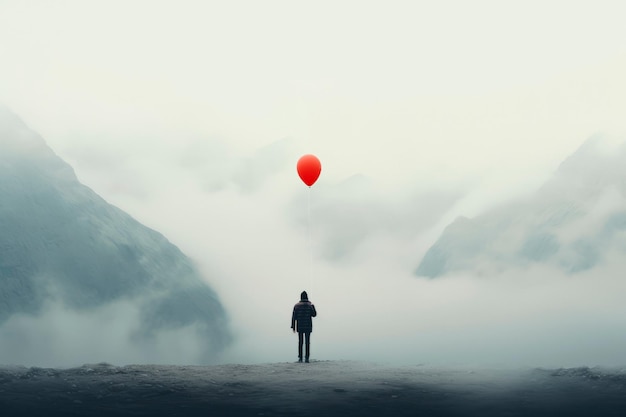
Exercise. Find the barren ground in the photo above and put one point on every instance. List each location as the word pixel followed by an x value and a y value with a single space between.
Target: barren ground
pixel 321 388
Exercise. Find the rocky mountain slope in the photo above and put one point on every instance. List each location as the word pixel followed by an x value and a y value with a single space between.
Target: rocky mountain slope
pixel 62 243
pixel 575 222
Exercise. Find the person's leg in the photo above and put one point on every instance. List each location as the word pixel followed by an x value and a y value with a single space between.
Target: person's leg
pixel 300 346
pixel 307 342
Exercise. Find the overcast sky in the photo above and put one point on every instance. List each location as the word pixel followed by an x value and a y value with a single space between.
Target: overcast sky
pixel 191 116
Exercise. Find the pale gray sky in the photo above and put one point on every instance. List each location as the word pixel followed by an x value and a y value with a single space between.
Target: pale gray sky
pixel 388 89
pixel 191 116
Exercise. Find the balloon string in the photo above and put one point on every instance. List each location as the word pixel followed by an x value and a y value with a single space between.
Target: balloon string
pixel 310 241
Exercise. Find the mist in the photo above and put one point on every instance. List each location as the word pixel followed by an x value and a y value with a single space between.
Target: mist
pixel 255 246
pixel 355 255
pixel 59 336
pixel 191 119
pixel 374 308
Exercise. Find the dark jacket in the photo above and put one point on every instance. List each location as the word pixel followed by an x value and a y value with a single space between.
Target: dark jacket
pixel 301 317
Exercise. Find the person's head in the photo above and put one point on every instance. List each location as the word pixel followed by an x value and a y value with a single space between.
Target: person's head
pixel 304 296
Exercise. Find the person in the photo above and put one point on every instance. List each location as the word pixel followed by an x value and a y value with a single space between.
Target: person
pixel 302 323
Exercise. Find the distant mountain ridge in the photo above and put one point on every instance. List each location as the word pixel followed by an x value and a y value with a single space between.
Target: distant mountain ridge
pixel 59 240
pixel 572 222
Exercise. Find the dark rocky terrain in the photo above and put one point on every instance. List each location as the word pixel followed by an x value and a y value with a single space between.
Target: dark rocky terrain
pixel 321 388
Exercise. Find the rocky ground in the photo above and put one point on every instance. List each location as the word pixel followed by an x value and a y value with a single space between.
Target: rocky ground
pixel 321 388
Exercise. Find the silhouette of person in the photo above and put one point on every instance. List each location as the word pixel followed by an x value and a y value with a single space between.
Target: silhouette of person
pixel 302 323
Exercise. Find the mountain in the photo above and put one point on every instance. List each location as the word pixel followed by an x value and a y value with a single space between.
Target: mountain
pixel 574 222
pixel 62 243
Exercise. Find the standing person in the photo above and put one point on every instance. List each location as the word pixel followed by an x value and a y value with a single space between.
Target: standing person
pixel 302 323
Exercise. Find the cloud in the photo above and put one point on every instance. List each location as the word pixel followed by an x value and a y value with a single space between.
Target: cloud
pixel 375 311
pixel 253 245
pixel 349 213
pixel 264 163
pixel 63 337
pixel 176 127
pixel 373 308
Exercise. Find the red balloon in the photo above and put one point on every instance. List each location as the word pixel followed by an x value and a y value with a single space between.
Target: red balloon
pixel 309 169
